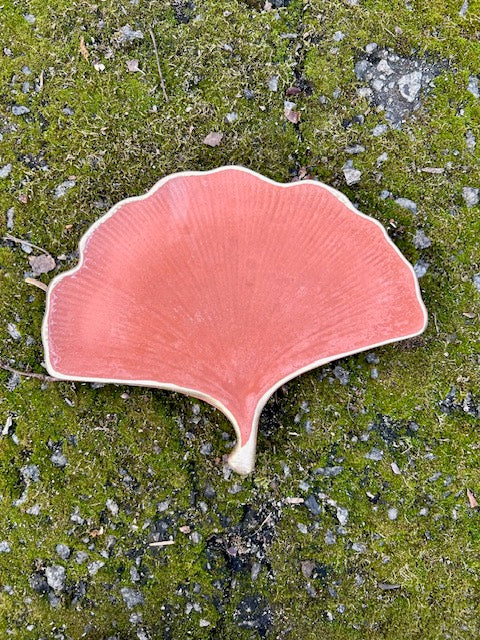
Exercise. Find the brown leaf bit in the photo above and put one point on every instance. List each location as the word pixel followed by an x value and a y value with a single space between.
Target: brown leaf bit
pixel 185 529
pixel 213 139
pixel 132 65
pixel 307 568
pixel 97 532
pixel 471 499
pixel 41 264
pixel 291 115
pixel 83 48
pixel 293 91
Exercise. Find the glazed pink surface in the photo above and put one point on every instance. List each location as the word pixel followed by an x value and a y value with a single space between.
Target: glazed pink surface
pixel 224 284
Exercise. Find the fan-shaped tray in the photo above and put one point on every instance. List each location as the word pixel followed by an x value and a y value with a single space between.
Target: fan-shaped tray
pixel 224 285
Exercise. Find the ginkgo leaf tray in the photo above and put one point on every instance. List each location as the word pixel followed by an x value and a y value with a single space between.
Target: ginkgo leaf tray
pixel 224 285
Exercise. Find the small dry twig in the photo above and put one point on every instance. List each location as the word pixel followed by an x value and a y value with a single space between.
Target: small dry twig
pixel 8 236
pixel 37 283
pixel 161 543
pixel 27 374
pixel 162 84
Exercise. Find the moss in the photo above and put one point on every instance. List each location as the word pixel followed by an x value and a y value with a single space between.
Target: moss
pixel 140 448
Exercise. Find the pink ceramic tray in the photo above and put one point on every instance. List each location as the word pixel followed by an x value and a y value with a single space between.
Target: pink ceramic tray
pixel 224 285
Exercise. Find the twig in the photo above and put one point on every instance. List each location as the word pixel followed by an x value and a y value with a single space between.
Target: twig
pixel 37 283
pixel 162 84
pixel 29 244
pixel 161 543
pixel 27 374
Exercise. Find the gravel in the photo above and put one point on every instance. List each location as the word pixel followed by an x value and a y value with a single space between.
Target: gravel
pixel 127 34
pixel 476 281
pixel 132 597
pixel 4 546
pixel 406 203
pixel 5 170
pixel 63 551
pixel 421 240
pixel 470 196
pixel 392 513
pixel 352 175
pixel 273 83
pixel 313 506
pixel 342 515
pixel 375 454
pixel 421 268
pixel 55 576
pixel 395 83
pixel 62 188
pixel 20 110
pixel 472 86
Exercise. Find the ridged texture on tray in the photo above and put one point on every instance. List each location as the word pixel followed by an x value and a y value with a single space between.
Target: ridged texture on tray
pixel 224 284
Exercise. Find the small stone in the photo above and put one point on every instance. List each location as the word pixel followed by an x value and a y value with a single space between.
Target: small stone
pixel 68 111
pixel 370 48
pixel 354 149
pixel 421 268
pixel 20 110
pixel 131 597
pixel 470 140
pixel 476 281
pixel 59 459
pixel 423 511
pixel 302 527
pixel 383 157
pixel 63 551
pixel 312 505
pixel 342 515
pixel 206 449
pixel 329 472
pixel 372 358
pixel 231 117
pixel 249 94
pixel 13 332
pixel 38 583
pixel 273 83
pixel 204 623
pixel 112 506
pixel 472 86
pixel 352 175
pixel 255 571
pixel 384 67
pixel 34 510
pixel 5 170
pixel 421 241
pixel 94 567
pixel 213 139
pixel 463 9
pixel 132 65
pixel 55 576
pixel 127 34
pixel 338 36
pixel 392 513
pixel 470 195
pixel 30 473
pixel 410 84
pixel 307 568
pixel 134 575
pixel 10 216
pixel 359 547
pixel 374 373
pixel 163 506
pixel 375 454
pixel 80 557
pixel 330 537
pixel 62 188
pixel 406 203
pixel 341 374
pixel 30 18
pixel 4 546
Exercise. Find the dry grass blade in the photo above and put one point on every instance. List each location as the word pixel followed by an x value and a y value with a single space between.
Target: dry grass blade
pixel 162 83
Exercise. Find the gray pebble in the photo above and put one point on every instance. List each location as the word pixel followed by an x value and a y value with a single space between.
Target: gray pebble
pixel 59 459
pixel 329 472
pixel 62 188
pixel 342 515
pixel 13 332
pixel 406 203
pixel 312 505
pixel 421 268
pixel 10 215
pixel 476 281
pixel 30 18
pixel 34 510
pixel 392 513
pixel 359 547
pixel 472 86
pixel 330 537
pixel 63 551
pixel 463 9
pixel 206 449
pixel 375 454
pixel 374 373
pixel 5 170
pixel 273 83
pixel 231 117
pixel 131 597
pixel 55 576
pixel 134 575
pixel 95 566
pixel 421 241
pixel 379 130
pixel 80 557
pixel 341 374
pixel 352 175
pixel 20 110
pixel 354 149
pixel 127 34
pixel 112 506
pixel 4 546
pixel 470 140
pixel 30 473
pixel 372 358
pixel 410 85
pixel 470 195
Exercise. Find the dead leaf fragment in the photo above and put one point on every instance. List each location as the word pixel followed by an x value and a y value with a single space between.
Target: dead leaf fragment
pixel 293 91
pixel 83 48
pixel 294 500
pixel 132 65
pixel 471 499
pixel 213 139
pixel 291 115
pixel 41 264
pixel 307 568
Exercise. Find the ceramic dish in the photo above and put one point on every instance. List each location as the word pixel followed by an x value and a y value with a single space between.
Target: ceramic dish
pixel 224 285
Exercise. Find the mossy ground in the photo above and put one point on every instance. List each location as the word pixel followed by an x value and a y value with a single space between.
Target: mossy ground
pixel 140 447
